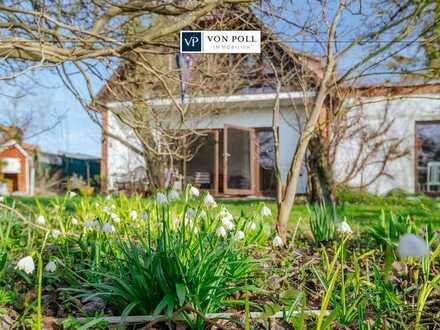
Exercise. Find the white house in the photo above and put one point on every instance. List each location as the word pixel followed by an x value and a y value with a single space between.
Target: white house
pixel 414 117
pixel 237 155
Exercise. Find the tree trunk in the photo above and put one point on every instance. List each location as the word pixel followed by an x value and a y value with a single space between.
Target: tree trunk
pixel 321 181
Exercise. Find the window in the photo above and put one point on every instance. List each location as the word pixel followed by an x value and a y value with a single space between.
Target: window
pixel 428 157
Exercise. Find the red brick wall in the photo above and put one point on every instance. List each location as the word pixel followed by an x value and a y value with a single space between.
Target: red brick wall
pixel 15 153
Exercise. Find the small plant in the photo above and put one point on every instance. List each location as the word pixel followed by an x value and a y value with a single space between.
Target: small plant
pixel 390 227
pixel 323 220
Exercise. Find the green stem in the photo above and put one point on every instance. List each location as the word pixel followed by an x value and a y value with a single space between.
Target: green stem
pixel 388 263
pixel 39 293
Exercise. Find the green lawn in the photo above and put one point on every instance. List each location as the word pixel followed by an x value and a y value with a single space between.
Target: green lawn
pixel 360 209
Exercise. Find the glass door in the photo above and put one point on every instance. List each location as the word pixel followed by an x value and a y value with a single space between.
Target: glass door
pixel 238 158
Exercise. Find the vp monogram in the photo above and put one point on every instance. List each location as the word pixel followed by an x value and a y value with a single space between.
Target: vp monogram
pixel 191 41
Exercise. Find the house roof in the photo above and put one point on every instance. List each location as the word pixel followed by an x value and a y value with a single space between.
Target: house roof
pixel 311 64
pixel 251 100
pixel 21 148
pixel 400 88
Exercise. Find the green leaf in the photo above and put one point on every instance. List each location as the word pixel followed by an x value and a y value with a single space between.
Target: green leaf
pixel 181 293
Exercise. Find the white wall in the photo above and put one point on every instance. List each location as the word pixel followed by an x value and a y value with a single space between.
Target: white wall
pixel 121 159
pixel 405 111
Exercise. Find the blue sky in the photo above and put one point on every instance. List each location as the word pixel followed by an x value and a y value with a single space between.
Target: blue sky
pixel 60 124
pixel 76 132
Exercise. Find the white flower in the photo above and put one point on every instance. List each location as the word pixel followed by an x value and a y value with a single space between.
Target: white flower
pixel 229 225
pixel 26 264
pixel 50 267
pixel 108 228
pixel 173 195
pixel 106 209
pixel 108 197
pixel 344 228
pixel 40 220
pixel 91 224
pixel 265 212
pixel 203 214
pixel 161 198
pixel 221 232
pixel 225 215
pixel 115 217
pixel 411 245
pixel 239 235
pixel 252 226
pixel 144 216
pixel 209 201
pixel 277 241
pixel 194 191
pixel 2 199
pixel 190 213
pixel 56 233
pixel 71 194
pixel 74 221
pixel 113 206
pixel 133 215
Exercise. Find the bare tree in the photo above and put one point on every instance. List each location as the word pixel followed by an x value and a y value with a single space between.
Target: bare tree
pixel 329 26
pixel 132 42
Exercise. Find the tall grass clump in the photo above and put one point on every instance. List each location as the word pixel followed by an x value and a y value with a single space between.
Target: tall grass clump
pixel 179 256
pixel 322 221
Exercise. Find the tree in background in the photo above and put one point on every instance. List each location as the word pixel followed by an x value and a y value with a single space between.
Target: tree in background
pixel 349 54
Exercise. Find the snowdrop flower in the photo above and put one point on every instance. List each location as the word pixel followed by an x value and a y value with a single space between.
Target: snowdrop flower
pixel 252 226
pixel 115 217
pixel 411 245
pixel 173 195
pixel 225 215
pixel 74 221
pixel 56 233
pixel 190 213
pixel 108 228
pixel 26 264
pixel 40 220
pixel 161 198
pixel 50 267
pixel 277 241
pixel 344 228
pixel 239 235
pixel 108 197
pixel 144 216
pixel 71 194
pixel 203 214
pixel 113 206
pixel 106 209
pixel 229 225
pixel 194 191
pixel 133 215
pixel 265 212
pixel 209 201
pixel 221 232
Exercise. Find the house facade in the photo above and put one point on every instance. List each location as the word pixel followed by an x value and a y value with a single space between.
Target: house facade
pixel 17 170
pixel 235 156
pixel 414 119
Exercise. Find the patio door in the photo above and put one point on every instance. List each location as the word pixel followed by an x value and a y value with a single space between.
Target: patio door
pixel 238 158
